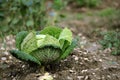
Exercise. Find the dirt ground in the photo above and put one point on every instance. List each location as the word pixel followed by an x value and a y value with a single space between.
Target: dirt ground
pixel 87 62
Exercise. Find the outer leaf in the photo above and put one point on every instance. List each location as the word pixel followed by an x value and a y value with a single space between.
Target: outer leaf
pixel 48 41
pixel 65 44
pixel 24 56
pixel 19 38
pixel 29 43
pixel 65 38
pixel 53 31
pixel 66 34
pixel 69 49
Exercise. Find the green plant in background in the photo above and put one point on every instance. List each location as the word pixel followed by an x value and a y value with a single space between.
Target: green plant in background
pixel 111 40
pixel 16 15
pixel 108 12
pixel 111 17
pixel 88 3
pixel 43 47
pixel 59 4
pixel 53 8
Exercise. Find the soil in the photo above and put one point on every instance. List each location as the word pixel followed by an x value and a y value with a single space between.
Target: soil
pixel 87 62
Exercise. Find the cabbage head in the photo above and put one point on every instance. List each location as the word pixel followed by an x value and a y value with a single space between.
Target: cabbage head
pixel 43 47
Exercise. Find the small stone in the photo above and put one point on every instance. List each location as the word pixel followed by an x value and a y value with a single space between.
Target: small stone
pixel 108 76
pixel 6 53
pixel 100 60
pixel 83 38
pixel 65 59
pixel 2 48
pixel 86 59
pixel 7 48
pixel 108 50
pixel 76 58
pixel 84 52
pixel 10 57
pixel 54 75
pixel 82 46
pixel 80 51
pixel 97 69
pixel 8 37
pixel 71 71
pixel 77 49
pixel 104 68
pixel 23 66
pixel 9 43
pixel 69 78
pixel 81 63
pixel 13 79
pixel 13 48
pixel 79 34
pixel 103 78
pixel 86 78
pixel 80 77
pixel 19 61
pixel 46 76
pixel 84 70
pixel 13 40
pixel 3 58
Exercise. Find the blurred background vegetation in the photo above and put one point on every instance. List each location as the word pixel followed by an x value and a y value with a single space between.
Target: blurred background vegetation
pixel 17 15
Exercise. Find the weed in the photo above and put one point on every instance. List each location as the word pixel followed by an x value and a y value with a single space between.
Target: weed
pixel 80 16
pixel 88 3
pixel 108 12
pixel 111 17
pixel 20 15
pixel 111 39
pixel 59 4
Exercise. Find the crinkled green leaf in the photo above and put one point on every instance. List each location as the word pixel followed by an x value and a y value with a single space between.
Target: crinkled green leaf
pixel 24 56
pixel 69 49
pixel 66 34
pixel 46 54
pixel 29 43
pixel 64 45
pixel 53 31
pixel 48 41
pixel 19 38
pixel 65 38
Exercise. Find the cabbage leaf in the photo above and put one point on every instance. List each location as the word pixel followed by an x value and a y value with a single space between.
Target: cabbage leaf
pixel 29 43
pixel 65 38
pixel 19 38
pixel 53 31
pixel 24 56
pixel 48 41
pixel 69 49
